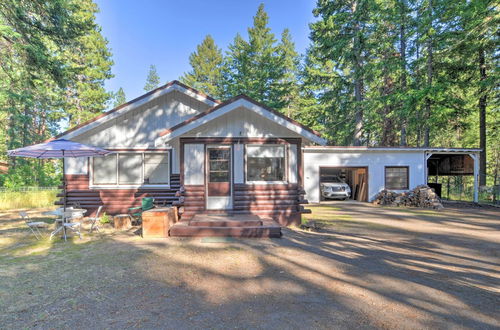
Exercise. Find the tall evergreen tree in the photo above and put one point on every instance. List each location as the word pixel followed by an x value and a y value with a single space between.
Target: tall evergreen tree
pixel 120 98
pixel 340 43
pixel 206 73
pixel 288 89
pixel 40 44
pixel 261 67
pixel 91 64
pixel 152 80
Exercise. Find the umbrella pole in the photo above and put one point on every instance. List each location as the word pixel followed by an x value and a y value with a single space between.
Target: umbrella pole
pixel 64 195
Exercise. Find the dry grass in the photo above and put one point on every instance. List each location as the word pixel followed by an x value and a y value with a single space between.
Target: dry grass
pixel 369 267
pixel 27 199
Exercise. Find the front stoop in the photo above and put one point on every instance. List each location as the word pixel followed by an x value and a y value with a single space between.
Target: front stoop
pixel 226 226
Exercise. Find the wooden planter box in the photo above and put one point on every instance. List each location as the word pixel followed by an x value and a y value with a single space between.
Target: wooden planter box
pixel 157 222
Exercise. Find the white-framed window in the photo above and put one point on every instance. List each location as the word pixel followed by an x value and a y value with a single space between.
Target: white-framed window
pixel 265 163
pixel 130 168
pixel 397 177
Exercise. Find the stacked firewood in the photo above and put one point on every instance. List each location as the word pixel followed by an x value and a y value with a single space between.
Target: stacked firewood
pixel 422 196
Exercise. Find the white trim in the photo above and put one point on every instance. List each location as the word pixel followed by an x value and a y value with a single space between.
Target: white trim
pixel 233 106
pixel 136 104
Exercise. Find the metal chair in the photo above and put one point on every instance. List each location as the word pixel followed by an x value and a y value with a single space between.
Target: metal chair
pixel 65 225
pixel 147 203
pixel 34 226
pixel 94 221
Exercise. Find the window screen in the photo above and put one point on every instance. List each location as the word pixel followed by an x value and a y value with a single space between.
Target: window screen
pixel 130 168
pixel 104 170
pixel 396 178
pixel 156 168
pixel 265 163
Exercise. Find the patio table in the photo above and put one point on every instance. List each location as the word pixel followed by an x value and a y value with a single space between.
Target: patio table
pixel 66 217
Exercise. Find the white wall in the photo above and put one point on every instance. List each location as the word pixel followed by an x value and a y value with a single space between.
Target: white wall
pixel 374 160
pixel 194 164
pixel 239 163
pixel 242 123
pixel 292 164
pixel 140 127
pixel 78 165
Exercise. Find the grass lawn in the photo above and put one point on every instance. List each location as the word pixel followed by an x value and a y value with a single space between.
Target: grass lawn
pixel 365 267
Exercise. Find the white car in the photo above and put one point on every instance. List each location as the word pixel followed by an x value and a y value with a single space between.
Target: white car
pixel 335 189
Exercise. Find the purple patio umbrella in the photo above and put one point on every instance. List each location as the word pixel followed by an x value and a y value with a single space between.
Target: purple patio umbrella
pixel 60 148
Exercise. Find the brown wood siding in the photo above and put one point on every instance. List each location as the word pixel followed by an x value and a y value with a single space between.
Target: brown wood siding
pixel 115 201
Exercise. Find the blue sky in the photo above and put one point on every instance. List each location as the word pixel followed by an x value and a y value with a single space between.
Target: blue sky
pixel 164 33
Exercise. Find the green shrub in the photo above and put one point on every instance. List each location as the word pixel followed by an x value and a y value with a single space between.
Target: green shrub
pixel 105 218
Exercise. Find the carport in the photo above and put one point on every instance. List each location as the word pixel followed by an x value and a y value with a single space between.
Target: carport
pixel 453 162
pixel 355 177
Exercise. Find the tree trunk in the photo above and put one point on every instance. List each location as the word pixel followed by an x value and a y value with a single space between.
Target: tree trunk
pixel 483 101
pixel 402 51
pixel 428 101
pixel 358 83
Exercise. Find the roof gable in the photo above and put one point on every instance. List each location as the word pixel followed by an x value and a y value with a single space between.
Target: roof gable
pixel 133 104
pixel 241 101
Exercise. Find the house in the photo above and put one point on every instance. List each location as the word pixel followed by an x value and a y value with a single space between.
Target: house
pixel 234 157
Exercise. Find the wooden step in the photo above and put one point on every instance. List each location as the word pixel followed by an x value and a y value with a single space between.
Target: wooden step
pixel 225 223
pixel 182 229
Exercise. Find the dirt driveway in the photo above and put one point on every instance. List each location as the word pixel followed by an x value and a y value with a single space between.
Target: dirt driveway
pixel 365 267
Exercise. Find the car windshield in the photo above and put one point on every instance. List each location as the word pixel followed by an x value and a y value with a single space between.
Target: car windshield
pixel 332 179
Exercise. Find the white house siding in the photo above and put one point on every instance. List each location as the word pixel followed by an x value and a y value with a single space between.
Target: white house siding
pixel 239 163
pixel 241 123
pixel 194 164
pixel 141 126
pixel 292 164
pixel 76 165
pixel 375 161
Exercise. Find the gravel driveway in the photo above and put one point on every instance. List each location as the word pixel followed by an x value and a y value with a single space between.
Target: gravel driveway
pixel 364 267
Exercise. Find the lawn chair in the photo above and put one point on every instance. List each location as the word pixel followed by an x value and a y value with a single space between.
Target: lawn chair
pixel 34 226
pixel 94 221
pixel 147 203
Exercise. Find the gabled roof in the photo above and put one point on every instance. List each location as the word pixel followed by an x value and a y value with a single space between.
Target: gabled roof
pixel 232 104
pixel 130 105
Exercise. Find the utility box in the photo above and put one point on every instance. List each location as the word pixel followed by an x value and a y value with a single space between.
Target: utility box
pixel 157 222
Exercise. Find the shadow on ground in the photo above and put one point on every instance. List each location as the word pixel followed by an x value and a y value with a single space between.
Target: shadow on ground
pixel 377 267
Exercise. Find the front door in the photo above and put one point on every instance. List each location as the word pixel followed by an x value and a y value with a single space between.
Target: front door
pixel 219 188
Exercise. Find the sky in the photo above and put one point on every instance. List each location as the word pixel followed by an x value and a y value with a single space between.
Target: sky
pixel 164 33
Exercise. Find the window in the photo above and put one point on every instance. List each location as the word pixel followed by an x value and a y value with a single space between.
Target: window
pixel 156 170
pixel 105 171
pixel 131 168
pixel 396 177
pixel 218 164
pixel 266 163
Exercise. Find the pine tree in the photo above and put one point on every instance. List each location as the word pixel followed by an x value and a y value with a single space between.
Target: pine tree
pixel 91 64
pixel 257 67
pixel 120 98
pixel 340 47
pixel 288 88
pixel 206 64
pixel 153 80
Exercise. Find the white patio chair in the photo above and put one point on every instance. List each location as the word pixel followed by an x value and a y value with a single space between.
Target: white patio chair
pixel 34 226
pixel 66 225
pixel 94 221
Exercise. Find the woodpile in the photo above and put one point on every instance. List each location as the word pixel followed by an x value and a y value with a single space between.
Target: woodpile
pixel 422 196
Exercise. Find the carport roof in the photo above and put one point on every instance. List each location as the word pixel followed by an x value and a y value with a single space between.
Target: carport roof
pixel 395 149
